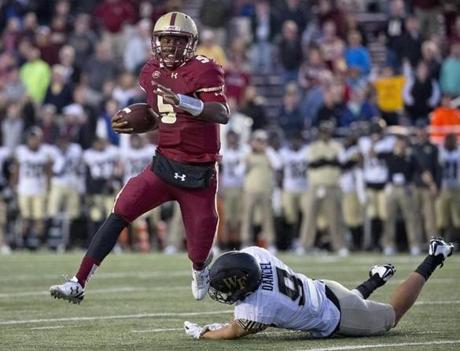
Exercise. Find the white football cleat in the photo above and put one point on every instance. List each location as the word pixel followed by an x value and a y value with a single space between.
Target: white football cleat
pixel 71 291
pixel 200 279
pixel 200 283
pixel 384 271
pixel 439 247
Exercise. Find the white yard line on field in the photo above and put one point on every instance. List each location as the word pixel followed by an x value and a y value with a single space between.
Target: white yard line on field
pixel 120 316
pixel 128 289
pixel 46 328
pixel 343 268
pixel 381 346
pixel 159 330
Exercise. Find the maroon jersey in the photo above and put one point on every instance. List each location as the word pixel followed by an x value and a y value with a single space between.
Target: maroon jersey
pixel 182 137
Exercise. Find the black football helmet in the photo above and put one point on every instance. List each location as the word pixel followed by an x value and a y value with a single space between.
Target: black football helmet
pixel 233 276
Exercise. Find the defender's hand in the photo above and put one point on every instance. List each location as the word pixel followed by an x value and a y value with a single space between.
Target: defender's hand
pixel 167 94
pixel 120 125
pixel 193 330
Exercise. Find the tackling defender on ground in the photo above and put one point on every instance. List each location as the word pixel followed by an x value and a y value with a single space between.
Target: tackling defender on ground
pixel 187 93
pixel 267 293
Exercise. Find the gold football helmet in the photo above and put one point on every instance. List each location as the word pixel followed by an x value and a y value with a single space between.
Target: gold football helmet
pixel 183 35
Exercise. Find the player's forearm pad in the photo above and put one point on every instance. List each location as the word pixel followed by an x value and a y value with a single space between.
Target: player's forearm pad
pixel 190 104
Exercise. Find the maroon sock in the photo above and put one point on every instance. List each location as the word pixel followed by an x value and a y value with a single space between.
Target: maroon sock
pixel 87 267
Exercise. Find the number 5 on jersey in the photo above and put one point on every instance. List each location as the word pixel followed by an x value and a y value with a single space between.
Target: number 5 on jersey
pixel 167 113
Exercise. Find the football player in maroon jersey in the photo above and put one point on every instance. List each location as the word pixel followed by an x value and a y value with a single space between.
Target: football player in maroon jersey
pixel 187 93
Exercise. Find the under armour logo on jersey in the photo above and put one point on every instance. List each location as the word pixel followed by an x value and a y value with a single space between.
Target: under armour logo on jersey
pixel 155 74
pixel 174 75
pixel 180 176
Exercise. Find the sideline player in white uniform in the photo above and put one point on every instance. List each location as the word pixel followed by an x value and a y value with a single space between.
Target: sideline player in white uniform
pixel 231 183
pixel 293 197
pixel 267 293
pixel 448 202
pixel 134 159
pixel 34 161
pixel 66 186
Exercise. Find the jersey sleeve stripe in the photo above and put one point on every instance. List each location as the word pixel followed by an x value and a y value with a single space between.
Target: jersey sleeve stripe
pixel 211 89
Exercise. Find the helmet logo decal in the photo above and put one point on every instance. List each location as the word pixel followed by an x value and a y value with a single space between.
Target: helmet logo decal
pixel 235 282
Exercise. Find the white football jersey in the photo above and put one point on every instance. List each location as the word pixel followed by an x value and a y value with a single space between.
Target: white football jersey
pixel 232 175
pixel 67 166
pixel 4 154
pixel 450 162
pixel 32 169
pixel 135 160
pixel 375 170
pixel 349 177
pixel 101 164
pixel 294 169
pixel 288 300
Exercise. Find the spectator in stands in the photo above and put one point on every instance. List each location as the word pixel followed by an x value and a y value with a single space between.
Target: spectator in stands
pixel 29 26
pixel 450 72
pixel 252 106
pixel 237 76
pixel 12 126
pixel 389 91
pixel 295 10
pixel 290 118
pixel 72 71
pixel 138 48
pixel 421 94
pixel 331 109
pixel 444 118
pixel 329 11
pixel 428 12
pixel 290 51
pixel 82 39
pixel 125 89
pixel 112 15
pixel 312 68
pixel 400 198
pixel 11 35
pixel 410 43
pixel 357 109
pixel 323 192
pixel 48 124
pixel 104 124
pixel 49 51
pixel 357 57
pixel 210 48
pixel 448 204
pixel 35 75
pixel 314 98
pixel 214 16
pixel 427 181
pixel 101 67
pixel 59 92
pixel 264 28
pixel 432 57
pixel 11 86
pixel 394 30
pixel 332 47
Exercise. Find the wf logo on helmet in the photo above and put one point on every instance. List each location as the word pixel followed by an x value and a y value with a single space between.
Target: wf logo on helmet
pixel 235 282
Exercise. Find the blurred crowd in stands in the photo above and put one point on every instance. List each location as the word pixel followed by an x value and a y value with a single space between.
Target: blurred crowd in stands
pixel 343 130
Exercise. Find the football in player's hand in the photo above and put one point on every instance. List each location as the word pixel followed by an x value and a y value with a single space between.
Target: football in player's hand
pixel 135 118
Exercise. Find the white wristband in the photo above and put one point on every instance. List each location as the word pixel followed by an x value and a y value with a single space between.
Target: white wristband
pixel 190 104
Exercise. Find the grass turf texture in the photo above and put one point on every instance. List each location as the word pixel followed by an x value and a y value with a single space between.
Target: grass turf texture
pixel 139 302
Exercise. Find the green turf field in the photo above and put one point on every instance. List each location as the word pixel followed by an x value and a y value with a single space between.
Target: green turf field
pixel 139 302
